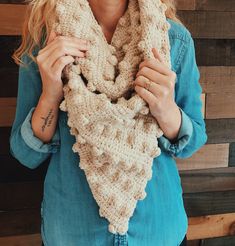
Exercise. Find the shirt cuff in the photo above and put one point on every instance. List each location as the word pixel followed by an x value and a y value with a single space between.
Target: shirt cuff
pixel 34 142
pixel 184 135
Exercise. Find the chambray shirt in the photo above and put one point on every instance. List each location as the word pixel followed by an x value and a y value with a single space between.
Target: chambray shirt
pixel 69 212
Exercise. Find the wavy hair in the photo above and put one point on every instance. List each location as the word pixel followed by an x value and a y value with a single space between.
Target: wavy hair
pixel 36 26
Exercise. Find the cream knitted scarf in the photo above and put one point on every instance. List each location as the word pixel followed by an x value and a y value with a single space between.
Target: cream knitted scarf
pixel 116 135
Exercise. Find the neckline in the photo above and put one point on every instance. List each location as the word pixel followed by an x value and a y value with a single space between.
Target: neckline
pixel 100 28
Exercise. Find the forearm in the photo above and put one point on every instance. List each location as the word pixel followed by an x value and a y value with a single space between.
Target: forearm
pixel 44 118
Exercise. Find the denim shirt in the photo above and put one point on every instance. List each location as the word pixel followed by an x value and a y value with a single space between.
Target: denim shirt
pixel 69 212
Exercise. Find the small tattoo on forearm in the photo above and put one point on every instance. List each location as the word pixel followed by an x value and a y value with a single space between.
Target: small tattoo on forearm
pixel 48 119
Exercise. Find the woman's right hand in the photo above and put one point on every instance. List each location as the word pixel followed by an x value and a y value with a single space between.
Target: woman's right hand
pixel 51 60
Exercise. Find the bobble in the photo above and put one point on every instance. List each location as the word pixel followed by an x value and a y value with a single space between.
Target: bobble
pixel 75 147
pixel 125 47
pixel 159 133
pixel 112 228
pixel 91 87
pixel 141 46
pixel 123 65
pixel 140 195
pixel 155 152
pixel 63 106
pixel 125 165
pixel 144 110
pixel 123 21
pixel 84 120
pixel 123 229
pixel 101 213
pixel 80 139
pixel 113 60
pixel 112 49
pixel 73 131
pixel 73 84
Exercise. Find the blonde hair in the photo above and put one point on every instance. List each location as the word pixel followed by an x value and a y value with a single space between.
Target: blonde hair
pixel 36 25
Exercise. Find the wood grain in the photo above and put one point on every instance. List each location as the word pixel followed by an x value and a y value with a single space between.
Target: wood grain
pixel 11 18
pixel 22 240
pixel 208 180
pixel 209 24
pixel 211 226
pixel 7 110
pixel 220 105
pixel 214 79
pixel 209 156
pixel 220 130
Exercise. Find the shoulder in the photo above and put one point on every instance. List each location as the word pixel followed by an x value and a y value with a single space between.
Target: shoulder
pixel 180 40
pixel 178 31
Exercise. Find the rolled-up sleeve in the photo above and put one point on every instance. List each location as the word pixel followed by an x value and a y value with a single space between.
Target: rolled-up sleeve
pixel 36 143
pixel 28 149
pixel 192 133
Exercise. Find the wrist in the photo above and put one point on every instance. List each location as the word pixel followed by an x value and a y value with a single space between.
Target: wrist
pixel 49 100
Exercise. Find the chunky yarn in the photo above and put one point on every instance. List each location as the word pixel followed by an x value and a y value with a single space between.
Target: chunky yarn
pixel 116 135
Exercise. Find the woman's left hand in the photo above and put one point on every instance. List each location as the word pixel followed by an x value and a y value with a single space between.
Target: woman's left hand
pixel 160 94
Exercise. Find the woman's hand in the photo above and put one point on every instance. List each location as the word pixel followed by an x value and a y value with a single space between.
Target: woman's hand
pixel 160 94
pixel 51 60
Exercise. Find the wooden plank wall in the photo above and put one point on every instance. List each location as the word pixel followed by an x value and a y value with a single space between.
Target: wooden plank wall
pixel 208 177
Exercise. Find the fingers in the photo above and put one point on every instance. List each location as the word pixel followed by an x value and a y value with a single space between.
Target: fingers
pixel 58 52
pixel 145 94
pixel 155 65
pixel 152 75
pixel 61 46
pixel 157 54
pixel 154 88
pixel 60 63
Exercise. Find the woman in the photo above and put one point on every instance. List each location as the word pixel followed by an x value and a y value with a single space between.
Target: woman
pixel 69 212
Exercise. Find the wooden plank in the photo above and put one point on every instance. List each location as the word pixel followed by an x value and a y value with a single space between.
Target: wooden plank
pixel 7 110
pixel 203 98
pixel 185 4
pixel 22 192
pixel 22 240
pixel 217 5
pixel 215 52
pixel 9 77
pixel 220 130
pixel 231 161
pixel 220 105
pixel 4 140
pixel 8 45
pixel 209 24
pixel 20 222
pixel 208 156
pixel 217 79
pixel 211 226
pixel 204 203
pixel 219 241
pixel 13 171
pixel 11 18
pixel 208 180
